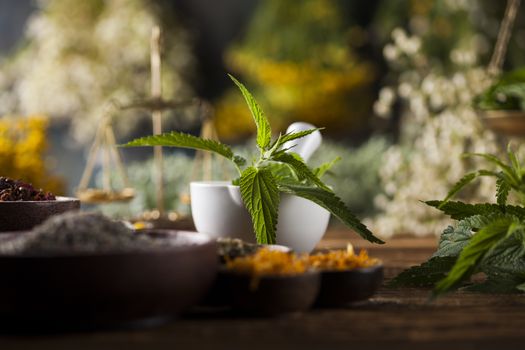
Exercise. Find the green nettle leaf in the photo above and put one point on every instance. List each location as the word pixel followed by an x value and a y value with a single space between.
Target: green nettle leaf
pixel 426 274
pixel 504 264
pixel 300 168
pixel 507 256
pixel 453 240
pixel 502 190
pixel 332 203
pixel 264 132
pixel 514 160
pixel 260 194
pixel 477 222
pixel 465 180
pixel 460 210
pixel 469 257
pixel 293 136
pixel 489 238
pixel 183 140
pixel 323 168
pixel 282 171
pixel 495 160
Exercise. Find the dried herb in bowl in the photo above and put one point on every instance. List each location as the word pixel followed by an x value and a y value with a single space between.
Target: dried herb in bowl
pixel 16 190
pixel 342 260
pixel 231 248
pixel 83 232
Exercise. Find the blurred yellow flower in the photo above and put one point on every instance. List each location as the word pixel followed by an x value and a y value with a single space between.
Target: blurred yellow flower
pixel 23 146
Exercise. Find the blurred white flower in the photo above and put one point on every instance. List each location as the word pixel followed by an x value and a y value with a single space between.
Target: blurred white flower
pixel 390 52
pixel 79 55
pixel 438 125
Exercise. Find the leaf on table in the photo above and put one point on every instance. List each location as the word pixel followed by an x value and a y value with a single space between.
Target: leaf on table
pixel 460 210
pixel 260 195
pixel 454 239
pixel 508 256
pixel 426 274
pixel 473 252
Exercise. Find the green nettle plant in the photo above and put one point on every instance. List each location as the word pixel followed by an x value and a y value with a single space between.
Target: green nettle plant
pixel 489 238
pixel 274 170
pixel 507 93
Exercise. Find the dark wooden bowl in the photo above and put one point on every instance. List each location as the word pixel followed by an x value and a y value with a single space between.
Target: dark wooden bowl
pixel 106 289
pixel 339 288
pixel 505 122
pixel 273 295
pixel 24 215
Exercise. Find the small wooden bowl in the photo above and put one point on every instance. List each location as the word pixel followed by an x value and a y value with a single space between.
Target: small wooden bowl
pixel 270 295
pixel 339 288
pixel 503 122
pixel 41 293
pixel 24 215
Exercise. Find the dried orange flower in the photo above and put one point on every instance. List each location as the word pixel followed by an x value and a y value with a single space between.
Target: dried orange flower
pixel 341 260
pixel 268 262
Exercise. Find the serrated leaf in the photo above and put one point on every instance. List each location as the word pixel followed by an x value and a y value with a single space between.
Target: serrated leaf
pixel 426 274
pixel 293 136
pixel 495 160
pixel 477 222
pixel 261 197
pixel 504 263
pixel 323 168
pixel 332 203
pixel 514 160
pixel 508 256
pixel 460 210
pixel 282 171
pixel 454 239
pixel 502 190
pixel 465 180
pixel 264 132
pixel 300 168
pixel 183 140
pixel 479 244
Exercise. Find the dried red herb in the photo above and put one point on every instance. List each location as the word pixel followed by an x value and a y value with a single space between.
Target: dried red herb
pixel 16 190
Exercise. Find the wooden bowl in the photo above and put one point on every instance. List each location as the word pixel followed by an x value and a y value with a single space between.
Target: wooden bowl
pixel 271 295
pixel 106 289
pixel 503 122
pixel 339 288
pixel 24 215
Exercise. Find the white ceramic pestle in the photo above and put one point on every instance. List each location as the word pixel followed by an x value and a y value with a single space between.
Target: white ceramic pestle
pixel 307 145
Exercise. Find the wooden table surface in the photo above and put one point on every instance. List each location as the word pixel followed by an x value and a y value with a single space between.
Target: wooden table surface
pixel 393 318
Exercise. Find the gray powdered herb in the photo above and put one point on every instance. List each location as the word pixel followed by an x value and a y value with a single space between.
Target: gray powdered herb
pixel 81 232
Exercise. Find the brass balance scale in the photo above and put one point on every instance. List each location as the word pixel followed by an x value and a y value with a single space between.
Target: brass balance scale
pixel 105 143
